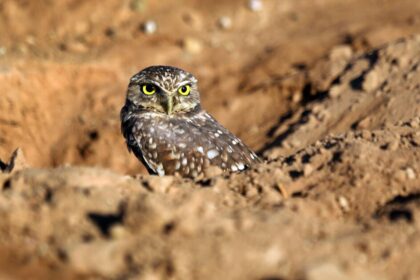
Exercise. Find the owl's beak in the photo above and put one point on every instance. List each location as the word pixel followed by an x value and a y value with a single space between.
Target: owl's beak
pixel 169 104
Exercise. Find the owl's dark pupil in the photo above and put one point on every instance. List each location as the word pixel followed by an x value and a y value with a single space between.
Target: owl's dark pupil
pixel 149 88
pixel 184 89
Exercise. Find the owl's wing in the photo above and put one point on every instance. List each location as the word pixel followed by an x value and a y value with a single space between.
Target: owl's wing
pixel 220 146
pixel 127 123
pixel 207 143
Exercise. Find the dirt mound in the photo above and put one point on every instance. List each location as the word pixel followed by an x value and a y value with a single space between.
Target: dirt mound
pixel 336 208
pixel 334 111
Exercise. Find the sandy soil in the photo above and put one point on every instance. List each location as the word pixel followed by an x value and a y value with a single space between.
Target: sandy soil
pixel 328 92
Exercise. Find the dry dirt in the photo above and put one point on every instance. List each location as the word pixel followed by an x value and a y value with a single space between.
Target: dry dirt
pixel 327 91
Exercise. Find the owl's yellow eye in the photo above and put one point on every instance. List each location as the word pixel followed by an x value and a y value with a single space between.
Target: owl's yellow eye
pixel 184 90
pixel 148 89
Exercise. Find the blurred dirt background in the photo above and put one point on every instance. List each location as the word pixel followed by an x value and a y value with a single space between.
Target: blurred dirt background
pixel 327 91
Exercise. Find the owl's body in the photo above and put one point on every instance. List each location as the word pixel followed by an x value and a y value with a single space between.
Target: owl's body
pixel 170 133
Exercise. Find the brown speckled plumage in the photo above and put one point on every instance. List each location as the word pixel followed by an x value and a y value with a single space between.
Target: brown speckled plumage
pixel 171 134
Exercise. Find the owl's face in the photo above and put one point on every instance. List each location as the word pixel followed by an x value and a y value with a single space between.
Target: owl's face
pixel 164 90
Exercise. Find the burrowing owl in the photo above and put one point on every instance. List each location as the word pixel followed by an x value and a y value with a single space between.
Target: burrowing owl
pixel 164 125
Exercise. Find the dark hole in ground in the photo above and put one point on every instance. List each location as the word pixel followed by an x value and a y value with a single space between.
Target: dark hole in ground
pixel 48 196
pixel 401 214
pixel 396 209
pixel 104 222
pixel 306 158
pixel 93 135
pixel 168 227
pixel 337 157
pixel 290 160
pixel 206 183
pixel 62 255
pixel 299 194
pixel 3 166
pixel 357 83
pixel 7 185
pixel 294 174
pixel 310 95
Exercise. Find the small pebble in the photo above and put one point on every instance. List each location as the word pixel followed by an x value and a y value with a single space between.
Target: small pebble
pixel 255 5
pixel 400 175
pixel 344 203
pixel 274 255
pixel 77 47
pixel 341 52
pixel 295 143
pixel 410 173
pixel 2 51
pixel 366 134
pixel 307 169
pixel 225 22
pixel 371 81
pixel 118 232
pixel 336 90
pixel 416 138
pixel 414 123
pixel 191 45
pixel 393 145
pixel 364 123
pixel 149 27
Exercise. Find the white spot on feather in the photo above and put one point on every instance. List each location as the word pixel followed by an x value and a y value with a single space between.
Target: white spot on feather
pixel 211 154
pixel 160 171
pixel 240 166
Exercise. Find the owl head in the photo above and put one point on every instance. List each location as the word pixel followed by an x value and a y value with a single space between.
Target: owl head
pixel 165 90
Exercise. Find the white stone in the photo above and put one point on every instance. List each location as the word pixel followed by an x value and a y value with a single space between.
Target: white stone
pixel 225 22
pixel 149 27
pixel 255 5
